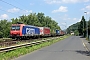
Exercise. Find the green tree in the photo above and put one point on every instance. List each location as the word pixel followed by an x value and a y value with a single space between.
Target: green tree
pixel 4 28
pixel 82 27
pixel 14 20
pixel 76 32
pixel 39 20
pixel 73 28
pixel 89 27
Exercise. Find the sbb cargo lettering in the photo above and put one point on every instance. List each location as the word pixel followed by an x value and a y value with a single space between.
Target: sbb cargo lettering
pixel 30 31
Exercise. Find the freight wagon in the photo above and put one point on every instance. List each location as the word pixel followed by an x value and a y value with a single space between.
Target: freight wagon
pixel 62 32
pixel 44 31
pixel 57 32
pixel 30 31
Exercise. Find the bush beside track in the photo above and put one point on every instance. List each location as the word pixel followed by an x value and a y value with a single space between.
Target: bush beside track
pixel 24 50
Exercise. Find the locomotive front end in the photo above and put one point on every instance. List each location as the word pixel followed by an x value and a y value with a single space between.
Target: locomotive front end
pixel 16 30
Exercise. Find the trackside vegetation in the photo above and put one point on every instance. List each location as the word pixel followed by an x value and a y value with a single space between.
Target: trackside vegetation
pixel 80 28
pixel 38 19
pixel 24 50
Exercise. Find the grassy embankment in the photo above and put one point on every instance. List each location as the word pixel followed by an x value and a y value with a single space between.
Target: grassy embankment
pixel 24 50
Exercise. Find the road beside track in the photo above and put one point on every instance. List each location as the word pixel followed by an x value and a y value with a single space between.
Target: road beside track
pixel 69 49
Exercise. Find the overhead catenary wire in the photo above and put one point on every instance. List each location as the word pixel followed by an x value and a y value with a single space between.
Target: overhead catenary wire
pixel 20 4
pixel 10 4
pixel 7 12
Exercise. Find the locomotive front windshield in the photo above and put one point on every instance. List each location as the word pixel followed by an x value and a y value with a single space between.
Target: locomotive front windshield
pixel 15 28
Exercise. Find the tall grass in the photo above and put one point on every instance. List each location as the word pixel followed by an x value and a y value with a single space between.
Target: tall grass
pixel 24 50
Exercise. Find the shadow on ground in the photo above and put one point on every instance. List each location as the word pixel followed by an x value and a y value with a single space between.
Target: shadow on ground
pixel 82 37
pixel 87 53
pixel 89 42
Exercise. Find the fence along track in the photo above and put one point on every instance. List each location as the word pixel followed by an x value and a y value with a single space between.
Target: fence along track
pixel 6 49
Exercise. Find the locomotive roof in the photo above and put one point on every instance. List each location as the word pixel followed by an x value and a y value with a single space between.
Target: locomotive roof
pixel 17 24
pixel 30 25
pixel 24 25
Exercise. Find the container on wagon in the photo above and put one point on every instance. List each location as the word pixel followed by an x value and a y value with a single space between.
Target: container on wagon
pixel 61 32
pixel 44 31
pixel 57 32
pixel 29 30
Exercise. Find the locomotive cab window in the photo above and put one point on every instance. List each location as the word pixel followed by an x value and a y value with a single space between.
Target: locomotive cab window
pixel 15 28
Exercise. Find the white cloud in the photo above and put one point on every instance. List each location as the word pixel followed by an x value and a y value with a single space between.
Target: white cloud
pixel 13 10
pixel 70 19
pixel 26 12
pixel 69 1
pixel 83 9
pixel 79 20
pixel 61 9
pixel 67 18
pixel 74 19
pixel 4 16
pixel 74 1
pixel 86 8
pixel 53 19
pixel 86 0
pixel 64 1
pixel 52 1
pixel 88 12
pixel 64 23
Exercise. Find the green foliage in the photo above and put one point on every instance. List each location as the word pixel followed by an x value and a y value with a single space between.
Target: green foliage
pixel 73 28
pixel 4 28
pixel 76 32
pixel 89 27
pixel 39 20
pixel 82 27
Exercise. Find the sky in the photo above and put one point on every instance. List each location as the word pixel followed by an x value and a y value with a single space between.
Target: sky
pixel 64 12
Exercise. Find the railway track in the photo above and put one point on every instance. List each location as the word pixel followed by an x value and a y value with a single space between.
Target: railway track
pixel 9 48
pixel 10 42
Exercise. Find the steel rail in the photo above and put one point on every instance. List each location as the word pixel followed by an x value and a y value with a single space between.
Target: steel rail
pixel 10 48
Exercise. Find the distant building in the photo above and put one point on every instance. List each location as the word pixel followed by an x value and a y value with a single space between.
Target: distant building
pixel 72 33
